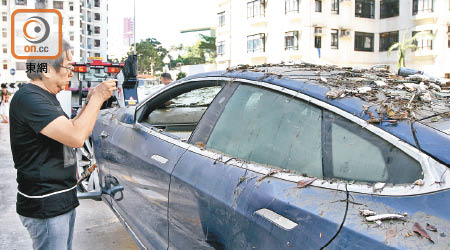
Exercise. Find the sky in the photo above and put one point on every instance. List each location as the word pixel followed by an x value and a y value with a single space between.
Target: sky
pixel 161 19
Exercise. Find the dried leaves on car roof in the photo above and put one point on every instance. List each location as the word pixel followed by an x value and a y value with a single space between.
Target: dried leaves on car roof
pixel 394 97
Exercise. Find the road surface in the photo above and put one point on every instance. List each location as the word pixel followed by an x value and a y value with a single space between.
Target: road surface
pixel 96 226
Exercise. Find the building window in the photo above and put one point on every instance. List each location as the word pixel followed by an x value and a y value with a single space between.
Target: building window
pixel 97 54
pixel 21 2
pixel 334 39
pixel 424 44
pixel 221 48
pixel 255 8
pixel 71 21
pixel 365 8
pixel 5 66
pixel 4 17
pixel 20 66
pixel 71 7
pixel 335 6
pixel 97 16
pixel 318 5
pixel 389 8
pixel 317 42
pixel 290 6
pixel 387 39
pixel 422 6
pixel 97 3
pixel 72 38
pixel 5 50
pixel 97 43
pixel 4 3
pixel 4 33
pixel 58 5
pixel 96 30
pixel 221 16
pixel 256 43
pixel 291 40
pixel 363 41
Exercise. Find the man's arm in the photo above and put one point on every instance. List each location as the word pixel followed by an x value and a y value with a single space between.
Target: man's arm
pixel 73 133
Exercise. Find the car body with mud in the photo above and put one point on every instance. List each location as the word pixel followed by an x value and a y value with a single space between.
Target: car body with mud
pixel 281 157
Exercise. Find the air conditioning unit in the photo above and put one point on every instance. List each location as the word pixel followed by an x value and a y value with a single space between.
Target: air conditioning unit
pixel 317 30
pixel 345 32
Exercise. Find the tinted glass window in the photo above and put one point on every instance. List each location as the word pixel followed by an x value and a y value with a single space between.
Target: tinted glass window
pixel 269 128
pixel 353 153
pixel 266 127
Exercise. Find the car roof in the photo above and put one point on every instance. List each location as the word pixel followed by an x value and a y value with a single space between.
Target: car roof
pixel 415 109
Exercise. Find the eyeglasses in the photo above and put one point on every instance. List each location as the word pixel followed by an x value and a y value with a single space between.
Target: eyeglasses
pixel 69 68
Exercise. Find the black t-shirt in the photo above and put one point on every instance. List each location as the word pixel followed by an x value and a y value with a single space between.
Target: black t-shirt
pixel 44 166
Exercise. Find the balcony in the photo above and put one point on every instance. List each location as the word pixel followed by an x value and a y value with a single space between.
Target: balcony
pixel 293 16
pixel 422 17
pixel 258 21
pixel 425 53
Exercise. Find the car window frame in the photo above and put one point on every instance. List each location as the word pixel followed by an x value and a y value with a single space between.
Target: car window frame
pixel 142 110
pixel 433 171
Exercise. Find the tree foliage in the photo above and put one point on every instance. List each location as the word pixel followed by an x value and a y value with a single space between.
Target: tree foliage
pixel 405 44
pixel 150 52
pixel 181 75
pixel 201 52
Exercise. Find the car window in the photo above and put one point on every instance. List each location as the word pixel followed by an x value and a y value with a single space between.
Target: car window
pixel 353 153
pixel 180 114
pixel 266 127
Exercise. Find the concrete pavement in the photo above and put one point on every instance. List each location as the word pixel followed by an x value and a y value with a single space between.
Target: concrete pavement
pixel 96 227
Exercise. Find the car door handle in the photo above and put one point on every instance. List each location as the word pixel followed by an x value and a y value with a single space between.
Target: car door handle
pixel 103 134
pixel 277 219
pixel 160 159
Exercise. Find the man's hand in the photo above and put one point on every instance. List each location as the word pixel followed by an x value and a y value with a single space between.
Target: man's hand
pixel 73 133
pixel 103 91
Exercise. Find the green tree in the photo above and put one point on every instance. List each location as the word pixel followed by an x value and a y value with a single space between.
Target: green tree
pixel 180 75
pixel 208 45
pixel 150 52
pixel 405 44
pixel 201 52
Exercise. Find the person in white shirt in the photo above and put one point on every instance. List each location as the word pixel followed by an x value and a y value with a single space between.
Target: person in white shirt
pixel 4 108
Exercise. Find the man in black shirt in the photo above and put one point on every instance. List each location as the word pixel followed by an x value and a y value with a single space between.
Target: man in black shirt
pixel 42 143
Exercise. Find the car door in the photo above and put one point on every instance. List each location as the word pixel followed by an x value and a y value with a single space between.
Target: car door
pixel 243 184
pixel 141 163
pixel 141 157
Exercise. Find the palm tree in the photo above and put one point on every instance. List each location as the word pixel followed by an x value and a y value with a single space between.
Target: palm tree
pixel 410 43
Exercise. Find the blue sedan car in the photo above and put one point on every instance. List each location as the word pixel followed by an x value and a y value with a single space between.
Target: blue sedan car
pixel 281 157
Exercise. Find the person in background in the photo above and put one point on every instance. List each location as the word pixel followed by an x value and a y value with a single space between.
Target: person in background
pixel 165 78
pixel 4 91
pixel 4 108
pixel 43 139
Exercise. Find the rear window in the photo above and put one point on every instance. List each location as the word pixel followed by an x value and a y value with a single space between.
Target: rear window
pixel 353 153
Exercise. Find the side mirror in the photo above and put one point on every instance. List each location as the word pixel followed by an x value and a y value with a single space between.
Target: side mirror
pixel 126 115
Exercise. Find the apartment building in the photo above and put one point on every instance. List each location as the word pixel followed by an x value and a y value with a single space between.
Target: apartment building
pixel 85 25
pixel 341 32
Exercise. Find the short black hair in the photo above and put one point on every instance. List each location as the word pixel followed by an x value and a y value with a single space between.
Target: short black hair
pixel 166 75
pixel 3 85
